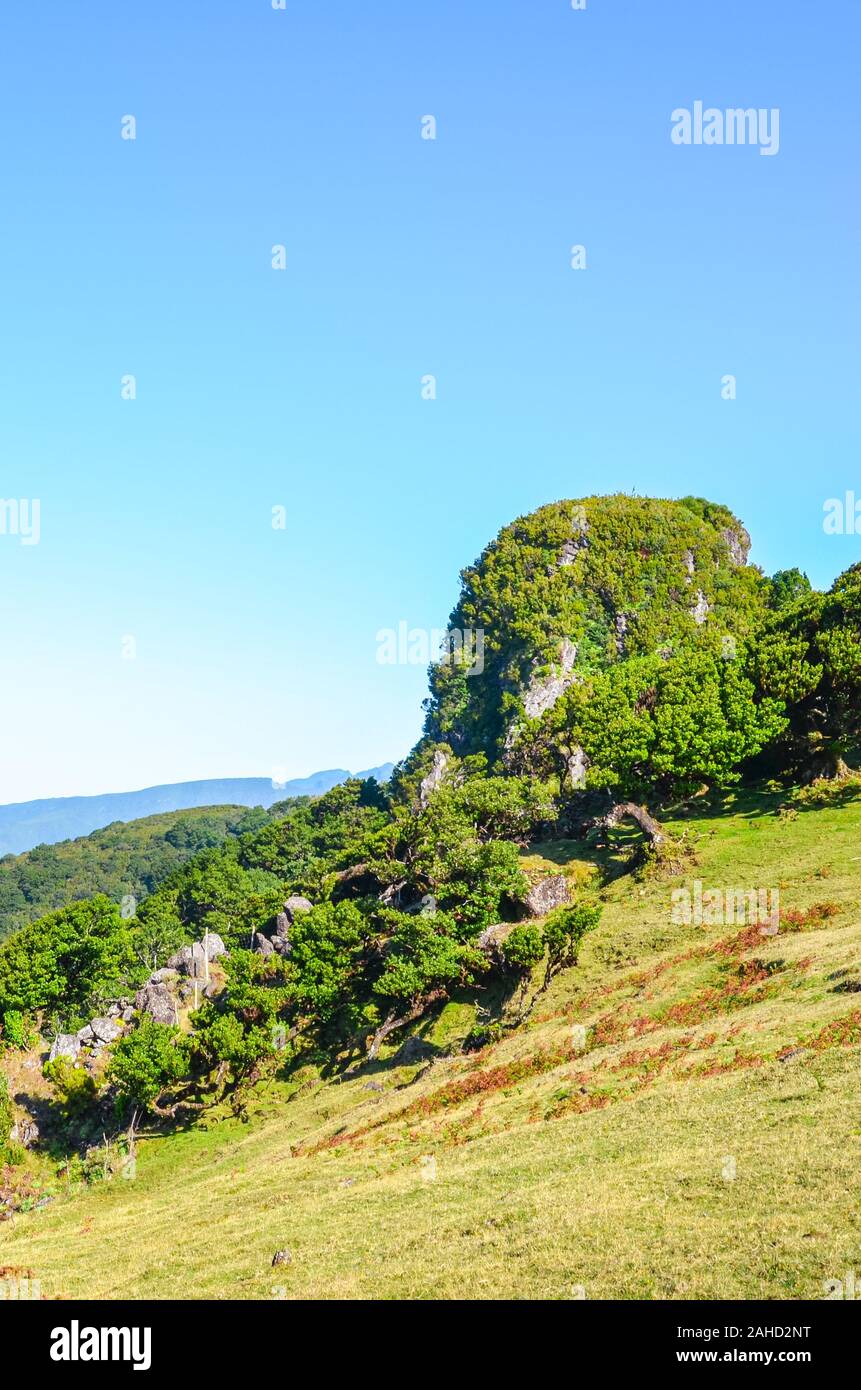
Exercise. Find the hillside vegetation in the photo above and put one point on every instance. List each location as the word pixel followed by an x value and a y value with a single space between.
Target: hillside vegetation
pixel 123 860
pixel 702 1142
pixel 567 1005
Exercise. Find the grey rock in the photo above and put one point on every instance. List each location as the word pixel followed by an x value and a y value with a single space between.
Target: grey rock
pixel 128 1014
pixel 25 1132
pixel 492 937
pixel 281 1257
pixel 434 778
pixel 373 1086
pixel 189 960
pixel 578 766
pixel 738 545
pixel 545 896
pixel 543 691
pixel 294 904
pixel 690 563
pixel 214 946
pixel 164 976
pixel 701 609
pixel 86 1036
pixel 263 945
pixel 105 1030
pixel 113 1011
pixel 157 1001
pixel 579 541
pixel 64 1045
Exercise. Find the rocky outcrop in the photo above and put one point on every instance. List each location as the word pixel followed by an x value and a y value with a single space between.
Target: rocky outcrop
pixel 738 544
pixel 279 942
pixel 193 960
pixel 543 691
pixel 105 1030
pixel 434 778
pixel 295 904
pixel 547 894
pixel 701 609
pixel 25 1133
pixel 157 1001
pixel 578 765
pixel 64 1045
pixel 572 548
pixel 491 941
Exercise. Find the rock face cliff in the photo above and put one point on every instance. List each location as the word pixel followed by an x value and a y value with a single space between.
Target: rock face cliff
pixel 577 586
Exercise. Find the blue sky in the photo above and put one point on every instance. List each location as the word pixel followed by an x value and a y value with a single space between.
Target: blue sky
pixel 256 648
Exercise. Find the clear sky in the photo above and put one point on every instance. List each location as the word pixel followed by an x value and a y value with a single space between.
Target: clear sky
pixel 256 648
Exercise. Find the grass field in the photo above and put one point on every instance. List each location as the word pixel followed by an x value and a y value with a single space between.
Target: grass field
pixel 679 1119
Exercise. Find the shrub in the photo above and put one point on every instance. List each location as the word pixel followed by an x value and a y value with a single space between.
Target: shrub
pixel 15 1032
pixel 146 1062
pixel 74 1089
pixel 7 1119
pixel 524 947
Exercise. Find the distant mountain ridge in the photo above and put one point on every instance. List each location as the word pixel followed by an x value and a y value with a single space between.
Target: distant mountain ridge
pixel 25 824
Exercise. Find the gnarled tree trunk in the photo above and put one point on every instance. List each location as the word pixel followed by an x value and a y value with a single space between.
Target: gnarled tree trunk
pixel 393 1021
pixel 630 810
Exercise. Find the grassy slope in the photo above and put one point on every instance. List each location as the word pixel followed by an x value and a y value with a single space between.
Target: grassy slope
pixel 553 1169
pixel 126 857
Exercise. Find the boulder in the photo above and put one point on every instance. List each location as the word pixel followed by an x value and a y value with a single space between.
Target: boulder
pixel 262 945
pixel 127 1014
pixel 157 1001
pixel 214 946
pixel 105 1030
pixel 491 939
pixel 86 1036
pixel 192 960
pixel 549 893
pixel 64 1045
pixel 25 1132
pixel 189 960
pixel 162 977
pixel 295 903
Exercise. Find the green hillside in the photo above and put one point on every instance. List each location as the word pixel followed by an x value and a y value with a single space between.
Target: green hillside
pixel 702 1144
pixel 567 1008
pixel 123 859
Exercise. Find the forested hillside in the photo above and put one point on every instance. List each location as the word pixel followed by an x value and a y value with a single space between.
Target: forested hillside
pixel 123 860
